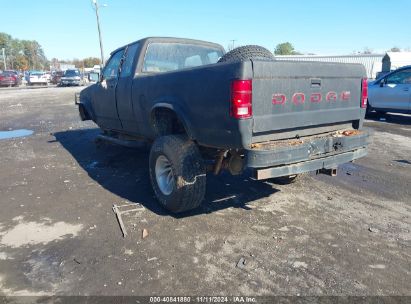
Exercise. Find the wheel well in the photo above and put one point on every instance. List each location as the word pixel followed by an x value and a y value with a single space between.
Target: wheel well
pixel 165 122
pixel 84 115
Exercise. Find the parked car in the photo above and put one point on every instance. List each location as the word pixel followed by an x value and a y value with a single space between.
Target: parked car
pixel 391 92
pixel 93 77
pixel 56 77
pixel 10 78
pixel 202 113
pixel 37 77
pixel 48 76
pixel 72 77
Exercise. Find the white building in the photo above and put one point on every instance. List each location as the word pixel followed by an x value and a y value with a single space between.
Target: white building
pixel 395 60
pixel 371 62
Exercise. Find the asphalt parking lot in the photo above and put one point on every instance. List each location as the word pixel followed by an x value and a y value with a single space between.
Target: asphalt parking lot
pixel 344 235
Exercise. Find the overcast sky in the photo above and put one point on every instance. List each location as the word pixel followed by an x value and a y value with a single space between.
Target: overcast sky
pixel 67 28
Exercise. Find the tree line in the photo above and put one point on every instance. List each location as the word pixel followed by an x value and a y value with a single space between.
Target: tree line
pixel 286 48
pixel 22 54
pixel 88 62
pixel 29 55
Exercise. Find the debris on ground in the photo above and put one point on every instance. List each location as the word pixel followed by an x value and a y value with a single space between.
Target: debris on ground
pixel 120 219
pixel 118 212
pixel 241 263
pixel 145 233
pixel 372 229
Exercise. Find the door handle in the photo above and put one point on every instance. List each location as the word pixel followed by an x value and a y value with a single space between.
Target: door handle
pixel 406 89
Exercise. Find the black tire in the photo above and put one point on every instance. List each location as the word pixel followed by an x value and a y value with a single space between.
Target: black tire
pixel 247 52
pixel 188 173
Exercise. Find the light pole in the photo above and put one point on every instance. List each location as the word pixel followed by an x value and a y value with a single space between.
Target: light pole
pixel 4 60
pixel 96 7
pixel 233 43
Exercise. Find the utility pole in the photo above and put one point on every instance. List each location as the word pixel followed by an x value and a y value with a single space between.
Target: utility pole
pixel 4 60
pixel 233 43
pixel 96 7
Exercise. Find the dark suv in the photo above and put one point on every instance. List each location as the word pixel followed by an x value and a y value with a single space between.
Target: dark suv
pixel 71 77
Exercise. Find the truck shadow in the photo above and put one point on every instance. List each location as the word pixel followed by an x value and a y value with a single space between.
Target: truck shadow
pixel 400 119
pixel 124 172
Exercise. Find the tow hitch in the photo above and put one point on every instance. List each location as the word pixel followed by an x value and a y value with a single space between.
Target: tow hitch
pixel 330 172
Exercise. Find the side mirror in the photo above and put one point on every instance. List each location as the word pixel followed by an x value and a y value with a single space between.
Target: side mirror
pixel 382 83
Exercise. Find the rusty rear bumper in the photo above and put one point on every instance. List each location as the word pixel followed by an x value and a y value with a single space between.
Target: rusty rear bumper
pixel 291 157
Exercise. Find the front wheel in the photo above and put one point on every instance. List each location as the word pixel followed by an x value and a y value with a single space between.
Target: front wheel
pixel 177 173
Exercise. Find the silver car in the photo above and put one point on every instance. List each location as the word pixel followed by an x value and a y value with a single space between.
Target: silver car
pixel 391 93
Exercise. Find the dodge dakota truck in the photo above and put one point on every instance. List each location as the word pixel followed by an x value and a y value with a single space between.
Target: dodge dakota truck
pixel 203 110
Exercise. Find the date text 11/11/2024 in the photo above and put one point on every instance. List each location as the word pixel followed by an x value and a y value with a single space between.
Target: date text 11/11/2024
pixel 203 299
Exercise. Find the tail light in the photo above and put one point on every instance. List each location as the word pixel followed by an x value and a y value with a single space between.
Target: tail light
pixel 364 93
pixel 241 99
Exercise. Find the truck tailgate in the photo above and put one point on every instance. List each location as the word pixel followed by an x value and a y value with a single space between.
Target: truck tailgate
pixel 297 95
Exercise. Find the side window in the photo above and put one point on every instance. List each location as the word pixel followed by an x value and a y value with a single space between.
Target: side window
pixel 111 69
pixel 403 77
pixel 213 57
pixel 163 57
pixel 128 62
pixel 193 61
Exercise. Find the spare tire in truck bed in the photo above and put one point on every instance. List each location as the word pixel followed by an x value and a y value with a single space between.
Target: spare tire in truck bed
pixel 247 52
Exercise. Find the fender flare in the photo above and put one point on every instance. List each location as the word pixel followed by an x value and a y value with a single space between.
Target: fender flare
pixel 87 107
pixel 181 115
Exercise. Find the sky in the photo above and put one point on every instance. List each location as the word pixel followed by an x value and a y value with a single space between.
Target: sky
pixel 67 29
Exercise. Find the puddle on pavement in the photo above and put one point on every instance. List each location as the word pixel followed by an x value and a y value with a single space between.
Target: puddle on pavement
pixel 15 133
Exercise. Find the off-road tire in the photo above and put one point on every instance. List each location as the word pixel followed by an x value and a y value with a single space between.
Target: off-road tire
pixel 189 172
pixel 247 52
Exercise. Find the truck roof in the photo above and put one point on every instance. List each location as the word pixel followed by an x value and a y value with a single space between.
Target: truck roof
pixel 171 39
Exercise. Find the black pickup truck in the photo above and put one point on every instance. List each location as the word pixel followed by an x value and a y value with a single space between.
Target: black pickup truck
pixel 203 110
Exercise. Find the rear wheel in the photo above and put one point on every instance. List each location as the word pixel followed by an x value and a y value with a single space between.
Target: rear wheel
pixel 177 173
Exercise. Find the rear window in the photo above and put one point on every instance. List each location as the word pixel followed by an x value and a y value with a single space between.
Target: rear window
pixel 166 57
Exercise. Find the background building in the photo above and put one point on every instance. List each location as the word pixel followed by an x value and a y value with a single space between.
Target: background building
pixel 371 62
